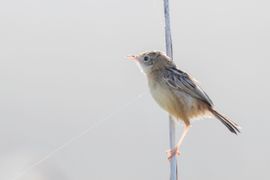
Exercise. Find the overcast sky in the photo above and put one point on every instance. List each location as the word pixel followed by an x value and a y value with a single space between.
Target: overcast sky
pixel 63 70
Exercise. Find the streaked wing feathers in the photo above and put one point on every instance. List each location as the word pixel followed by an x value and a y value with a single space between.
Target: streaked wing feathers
pixel 181 81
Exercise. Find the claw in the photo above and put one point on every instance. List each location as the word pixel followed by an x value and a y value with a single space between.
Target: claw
pixel 172 152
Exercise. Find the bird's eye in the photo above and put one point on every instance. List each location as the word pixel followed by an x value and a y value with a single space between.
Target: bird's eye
pixel 146 58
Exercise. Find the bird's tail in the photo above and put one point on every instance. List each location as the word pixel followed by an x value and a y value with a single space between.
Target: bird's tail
pixel 232 126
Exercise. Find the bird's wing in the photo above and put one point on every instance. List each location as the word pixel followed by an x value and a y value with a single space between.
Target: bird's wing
pixel 181 81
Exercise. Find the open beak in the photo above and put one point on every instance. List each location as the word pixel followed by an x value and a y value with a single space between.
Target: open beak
pixel 132 58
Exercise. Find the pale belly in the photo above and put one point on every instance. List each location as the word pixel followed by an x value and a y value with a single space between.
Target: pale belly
pixel 179 104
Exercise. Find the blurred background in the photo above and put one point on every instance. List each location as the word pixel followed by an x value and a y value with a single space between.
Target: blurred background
pixel 63 69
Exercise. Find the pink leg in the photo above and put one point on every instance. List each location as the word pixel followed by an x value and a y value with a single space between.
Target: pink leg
pixel 175 151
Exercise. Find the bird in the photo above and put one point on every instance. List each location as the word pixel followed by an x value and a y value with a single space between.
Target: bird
pixel 178 93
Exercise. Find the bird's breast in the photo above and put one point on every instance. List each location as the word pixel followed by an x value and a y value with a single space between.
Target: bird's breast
pixel 163 96
pixel 177 103
pixel 166 99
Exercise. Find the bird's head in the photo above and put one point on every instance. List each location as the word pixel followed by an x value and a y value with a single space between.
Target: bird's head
pixel 151 61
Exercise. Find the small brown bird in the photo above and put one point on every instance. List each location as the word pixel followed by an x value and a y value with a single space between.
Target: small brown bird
pixel 177 93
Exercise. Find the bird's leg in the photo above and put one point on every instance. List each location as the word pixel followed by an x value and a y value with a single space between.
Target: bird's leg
pixel 175 150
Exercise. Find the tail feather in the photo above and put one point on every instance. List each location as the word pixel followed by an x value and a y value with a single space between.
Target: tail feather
pixel 232 126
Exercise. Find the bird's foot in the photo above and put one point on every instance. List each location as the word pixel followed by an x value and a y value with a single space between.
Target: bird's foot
pixel 172 152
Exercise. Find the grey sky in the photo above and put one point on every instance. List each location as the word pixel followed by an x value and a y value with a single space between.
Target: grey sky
pixel 63 68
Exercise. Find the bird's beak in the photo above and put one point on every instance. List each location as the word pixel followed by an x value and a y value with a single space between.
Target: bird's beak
pixel 132 58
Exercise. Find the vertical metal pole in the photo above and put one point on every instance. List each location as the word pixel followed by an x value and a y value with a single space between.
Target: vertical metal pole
pixel 169 52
